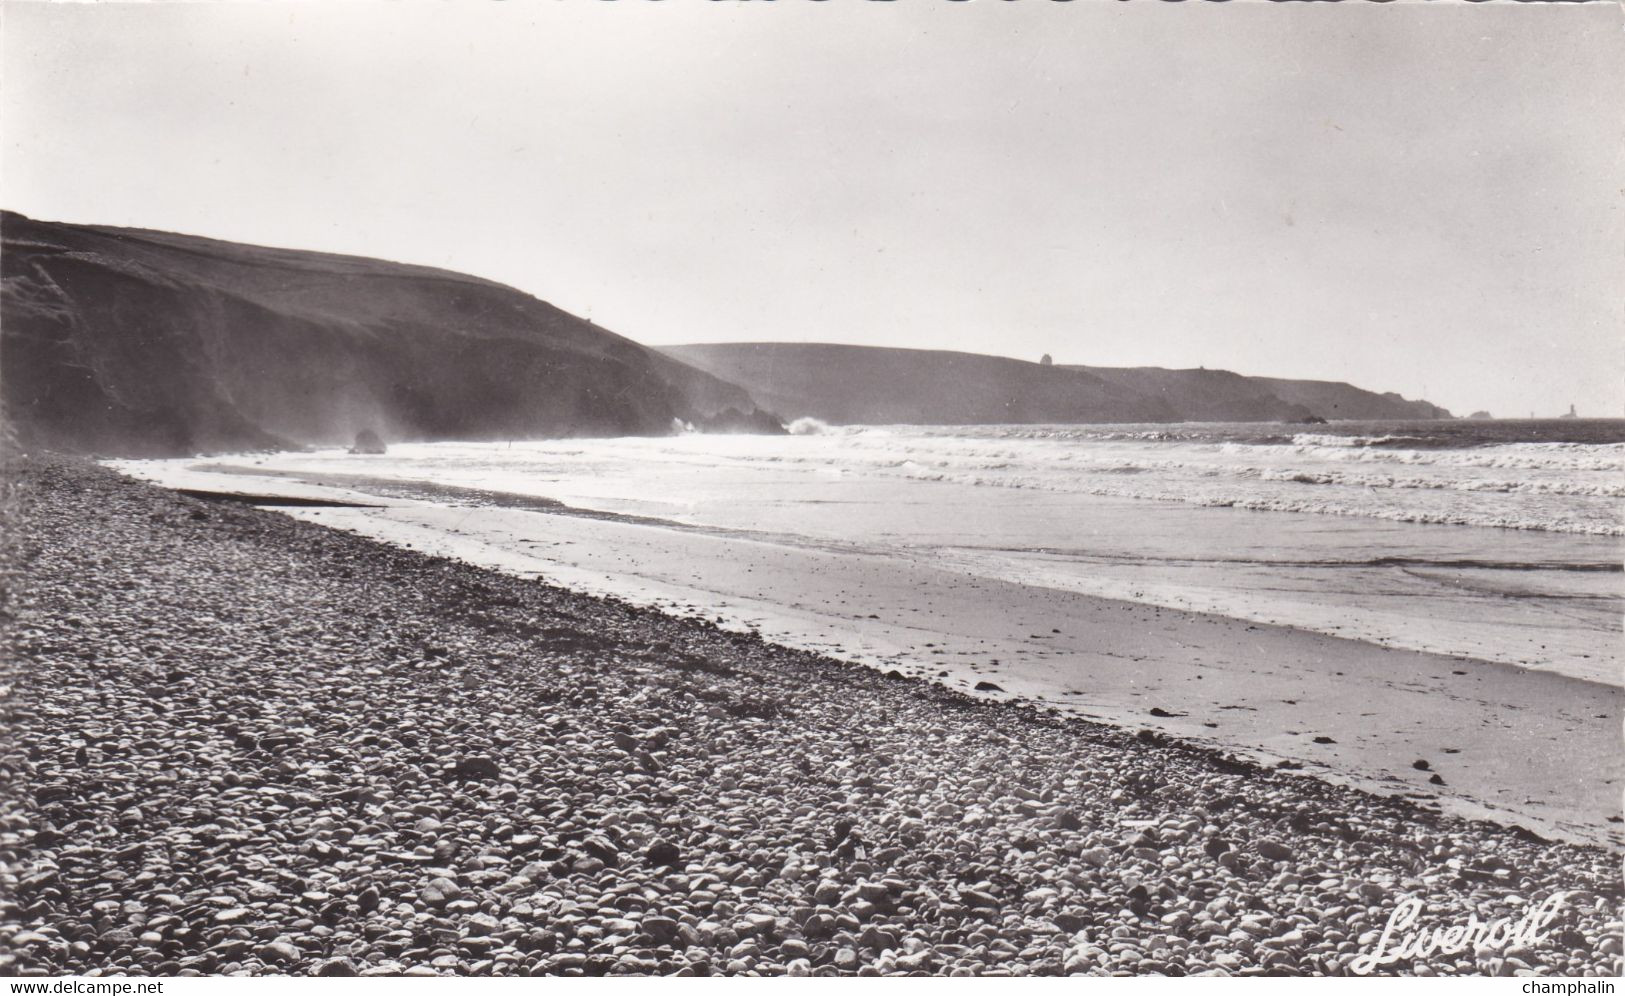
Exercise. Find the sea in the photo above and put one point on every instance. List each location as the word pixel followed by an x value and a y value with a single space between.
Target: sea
pixel 1500 540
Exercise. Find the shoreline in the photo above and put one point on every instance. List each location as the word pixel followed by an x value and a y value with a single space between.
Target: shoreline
pixel 431 734
pixel 1513 744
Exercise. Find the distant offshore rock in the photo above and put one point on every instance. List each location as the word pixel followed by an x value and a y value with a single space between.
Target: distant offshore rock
pixel 732 420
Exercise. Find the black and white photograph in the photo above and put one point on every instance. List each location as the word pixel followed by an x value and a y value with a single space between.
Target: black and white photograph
pixel 811 488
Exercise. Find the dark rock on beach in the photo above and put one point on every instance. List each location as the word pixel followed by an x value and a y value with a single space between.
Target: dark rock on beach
pixel 367 443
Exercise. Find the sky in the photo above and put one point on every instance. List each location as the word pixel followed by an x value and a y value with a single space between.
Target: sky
pixel 1427 199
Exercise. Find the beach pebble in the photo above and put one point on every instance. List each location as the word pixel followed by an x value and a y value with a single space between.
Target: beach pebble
pixel 258 746
pixel 1273 850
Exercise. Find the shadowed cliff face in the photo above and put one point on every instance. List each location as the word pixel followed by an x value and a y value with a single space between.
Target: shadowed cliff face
pixel 130 342
pixel 1337 400
pixel 871 385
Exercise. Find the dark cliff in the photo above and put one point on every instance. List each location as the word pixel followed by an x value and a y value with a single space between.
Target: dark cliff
pixel 873 385
pixel 1337 400
pixel 132 342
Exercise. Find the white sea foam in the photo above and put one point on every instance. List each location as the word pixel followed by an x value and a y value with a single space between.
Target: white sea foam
pixel 1524 573
pixel 807 427
pixel 1555 487
pixel 1559 487
pixel 1328 439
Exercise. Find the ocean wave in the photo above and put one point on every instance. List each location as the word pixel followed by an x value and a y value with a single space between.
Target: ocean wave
pixel 1327 439
pixel 1592 489
pixel 1556 487
pixel 807 426
pixel 1500 519
pixel 1603 458
pixel 1429 435
pixel 1229 460
pixel 1556 504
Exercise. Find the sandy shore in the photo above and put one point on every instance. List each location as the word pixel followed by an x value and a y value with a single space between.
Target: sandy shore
pixel 237 742
pixel 1497 741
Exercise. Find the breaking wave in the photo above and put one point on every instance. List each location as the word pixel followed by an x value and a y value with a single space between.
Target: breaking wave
pixel 1400 476
pixel 807 427
pixel 1397 473
pixel 1326 439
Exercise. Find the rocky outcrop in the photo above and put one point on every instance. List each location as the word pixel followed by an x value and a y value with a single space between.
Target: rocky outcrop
pixel 732 421
pixel 367 442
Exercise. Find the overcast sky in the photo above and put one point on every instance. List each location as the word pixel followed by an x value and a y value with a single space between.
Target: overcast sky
pixel 1407 197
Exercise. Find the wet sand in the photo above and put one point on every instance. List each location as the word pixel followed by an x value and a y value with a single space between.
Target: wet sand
pixel 1478 738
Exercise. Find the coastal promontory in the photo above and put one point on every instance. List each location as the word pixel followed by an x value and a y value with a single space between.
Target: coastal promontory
pixel 141 343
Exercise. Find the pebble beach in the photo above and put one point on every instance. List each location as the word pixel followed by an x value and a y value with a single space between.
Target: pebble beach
pixel 239 744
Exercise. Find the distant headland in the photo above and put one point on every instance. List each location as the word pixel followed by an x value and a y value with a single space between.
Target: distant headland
pixel 132 342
